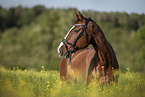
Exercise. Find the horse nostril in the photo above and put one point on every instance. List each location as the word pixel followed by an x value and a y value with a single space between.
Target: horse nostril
pixel 60 52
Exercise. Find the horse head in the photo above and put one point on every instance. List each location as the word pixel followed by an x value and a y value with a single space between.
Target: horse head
pixel 78 36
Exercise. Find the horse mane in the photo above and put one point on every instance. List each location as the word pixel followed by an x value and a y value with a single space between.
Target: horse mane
pixel 98 27
pixel 75 21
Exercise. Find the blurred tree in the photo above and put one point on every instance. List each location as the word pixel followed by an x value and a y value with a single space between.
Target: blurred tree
pixel 38 9
pixel 26 16
pixel 140 39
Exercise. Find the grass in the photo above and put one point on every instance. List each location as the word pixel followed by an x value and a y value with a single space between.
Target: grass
pixel 30 83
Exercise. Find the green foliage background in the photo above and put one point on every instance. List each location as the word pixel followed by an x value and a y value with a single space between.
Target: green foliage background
pixel 29 37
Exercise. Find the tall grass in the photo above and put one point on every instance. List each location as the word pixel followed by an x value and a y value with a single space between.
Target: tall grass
pixel 18 83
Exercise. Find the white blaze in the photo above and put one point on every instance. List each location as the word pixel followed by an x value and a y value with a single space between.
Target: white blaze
pixel 59 47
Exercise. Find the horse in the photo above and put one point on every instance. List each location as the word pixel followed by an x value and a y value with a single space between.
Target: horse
pixel 84 32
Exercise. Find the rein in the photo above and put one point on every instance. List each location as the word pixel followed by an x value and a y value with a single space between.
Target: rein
pixel 64 41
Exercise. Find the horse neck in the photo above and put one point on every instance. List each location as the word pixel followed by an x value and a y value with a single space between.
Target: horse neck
pixel 97 31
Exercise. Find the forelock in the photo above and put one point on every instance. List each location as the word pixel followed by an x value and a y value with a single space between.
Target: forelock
pixel 75 21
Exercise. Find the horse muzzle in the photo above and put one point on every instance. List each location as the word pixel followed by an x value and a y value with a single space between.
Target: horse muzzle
pixel 62 52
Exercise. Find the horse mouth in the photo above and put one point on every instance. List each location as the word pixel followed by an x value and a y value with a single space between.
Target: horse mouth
pixel 64 55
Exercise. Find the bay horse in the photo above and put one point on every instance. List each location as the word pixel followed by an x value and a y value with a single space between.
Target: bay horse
pixel 84 32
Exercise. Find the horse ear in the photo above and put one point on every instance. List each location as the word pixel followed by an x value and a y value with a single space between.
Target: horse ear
pixel 76 16
pixel 81 17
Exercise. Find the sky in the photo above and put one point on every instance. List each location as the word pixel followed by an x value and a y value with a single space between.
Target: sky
pixel 129 6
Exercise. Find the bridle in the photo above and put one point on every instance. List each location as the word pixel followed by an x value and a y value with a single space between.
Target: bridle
pixel 65 42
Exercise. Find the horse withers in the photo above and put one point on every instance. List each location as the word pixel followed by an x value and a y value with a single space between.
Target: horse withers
pixel 84 32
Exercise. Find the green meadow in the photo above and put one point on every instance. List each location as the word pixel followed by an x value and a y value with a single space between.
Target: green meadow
pixel 30 83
